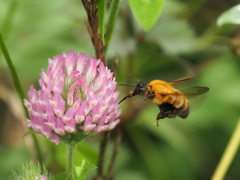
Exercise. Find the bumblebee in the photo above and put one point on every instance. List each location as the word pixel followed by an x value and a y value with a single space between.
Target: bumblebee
pixel 170 101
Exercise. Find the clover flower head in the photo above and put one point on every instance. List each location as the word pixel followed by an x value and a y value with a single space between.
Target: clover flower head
pixel 76 97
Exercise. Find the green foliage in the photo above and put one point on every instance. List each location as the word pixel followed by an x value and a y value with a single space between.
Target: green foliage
pixel 138 138
pixel 174 36
pixel 11 158
pixel 111 22
pixel 38 40
pixel 80 166
pixel 26 0
pixel 88 152
pixel 101 15
pixel 61 176
pixel 13 71
pixel 230 16
pixel 27 170
pixel 31 131
pixel 146 11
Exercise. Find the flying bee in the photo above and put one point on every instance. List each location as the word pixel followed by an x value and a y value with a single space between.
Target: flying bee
pixel 170 101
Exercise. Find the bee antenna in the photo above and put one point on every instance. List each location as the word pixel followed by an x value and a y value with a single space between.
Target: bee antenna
pixel 134 77
pixel 127 84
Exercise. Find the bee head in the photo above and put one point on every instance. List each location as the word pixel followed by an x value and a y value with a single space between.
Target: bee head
pixel 139 88
pixel 149 93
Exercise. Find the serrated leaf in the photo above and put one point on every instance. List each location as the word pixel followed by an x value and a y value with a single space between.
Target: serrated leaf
pixel 101 14
pixel 80 166
pixel 231 16
pixel 146 11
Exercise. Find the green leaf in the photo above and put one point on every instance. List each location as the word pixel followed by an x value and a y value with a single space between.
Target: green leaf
pixel 88 152
pixel 101 13
pixel 111 22
pixel 28 133
pixel 174 36
pixel 146 11
pixel 61 176
pixel 80 166
pixel 231 16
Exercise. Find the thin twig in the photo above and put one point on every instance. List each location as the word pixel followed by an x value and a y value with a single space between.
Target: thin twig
pixel 114 155
pixel 102 155
pixel 92 13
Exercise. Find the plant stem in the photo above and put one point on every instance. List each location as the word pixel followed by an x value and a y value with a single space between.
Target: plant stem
pixel 228 154
pixel 114 155
pixel 111 22
pixel 102 155
pixel 19 90
pixel 13 72
pixel 11 11
pixel 8 19
pixel 37 147
pixel 92 25
pixel 69 158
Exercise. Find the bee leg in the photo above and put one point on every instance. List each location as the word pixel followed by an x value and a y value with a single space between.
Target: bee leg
pixel 149 96
pixel 156 122
pixel 162 113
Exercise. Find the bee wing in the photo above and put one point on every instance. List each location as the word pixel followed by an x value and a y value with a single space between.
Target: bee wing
pixel 180 80
pixel 194 91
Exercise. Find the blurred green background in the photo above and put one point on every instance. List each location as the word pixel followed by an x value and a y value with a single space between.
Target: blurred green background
pixel 184 41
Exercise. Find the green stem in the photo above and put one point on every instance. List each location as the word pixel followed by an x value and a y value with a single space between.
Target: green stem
pixel 11 11
pixel 111 22
pixel 13 71
pixel 19 90
pixel 37 147
pixel 228 154
pixel 8 19
pixel 69 159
